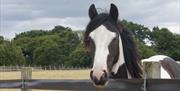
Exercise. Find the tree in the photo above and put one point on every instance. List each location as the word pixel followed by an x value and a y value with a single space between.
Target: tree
pixel 160 38
pixel 166 43
pixel 139 32
pixel 62 41
pixel 175 53
pixel 59 29
pixel 48 54
pixel 10 54
pixel 1 39
pixel 26 45
pixel 31 34
pixel 79 57
pixel 68 41
pixel 61 45
pixel 144 50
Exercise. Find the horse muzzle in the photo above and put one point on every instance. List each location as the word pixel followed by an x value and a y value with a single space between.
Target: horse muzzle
pixel 101 80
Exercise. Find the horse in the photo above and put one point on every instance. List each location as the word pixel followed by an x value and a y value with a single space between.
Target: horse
pixel 113 50
pixel 170 69
pixel 112 47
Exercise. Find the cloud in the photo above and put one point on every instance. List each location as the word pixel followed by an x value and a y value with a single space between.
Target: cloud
pixel 151 12
pixel 24 15
pixel 76 23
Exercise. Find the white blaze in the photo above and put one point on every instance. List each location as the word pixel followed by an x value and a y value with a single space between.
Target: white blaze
pixel 102 38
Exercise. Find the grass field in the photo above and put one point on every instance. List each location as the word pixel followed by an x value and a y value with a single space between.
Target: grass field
pixel 53 74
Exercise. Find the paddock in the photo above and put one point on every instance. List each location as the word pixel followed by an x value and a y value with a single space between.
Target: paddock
pixel 26 83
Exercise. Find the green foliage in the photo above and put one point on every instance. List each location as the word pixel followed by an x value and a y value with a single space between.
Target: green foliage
pixel 175 53
pixel 59 29
pixel 48 54
pixel 47 47
pixel 68 42
pixel 31 34
pixel 140 32
pixel 79 57
pixel 1 39
pixel 162 41
pixel 165 42
pixel 61 45
pixel 25 43
pixel 10 54
pixel 144 50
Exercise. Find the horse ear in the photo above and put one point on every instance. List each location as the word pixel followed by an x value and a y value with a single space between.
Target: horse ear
pixel 92 11
pixel 113 12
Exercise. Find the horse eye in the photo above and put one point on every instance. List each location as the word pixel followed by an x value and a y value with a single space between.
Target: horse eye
pixel 115 39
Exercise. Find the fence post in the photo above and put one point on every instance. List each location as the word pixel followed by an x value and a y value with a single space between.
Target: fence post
pixel 152 69
pixel 26 74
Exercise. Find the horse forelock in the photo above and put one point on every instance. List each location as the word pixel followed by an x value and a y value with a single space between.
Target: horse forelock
pixel 92 25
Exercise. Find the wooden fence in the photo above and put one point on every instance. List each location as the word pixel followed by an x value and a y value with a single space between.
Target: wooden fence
pixel 40 68
pixel 86 85
pixel 151 70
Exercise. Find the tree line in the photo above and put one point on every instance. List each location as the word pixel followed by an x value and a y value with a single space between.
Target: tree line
pixel 62 45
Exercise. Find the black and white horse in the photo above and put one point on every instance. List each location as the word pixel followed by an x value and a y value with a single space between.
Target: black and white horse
pixel 113 49
pixel 170 69
pixel 112 46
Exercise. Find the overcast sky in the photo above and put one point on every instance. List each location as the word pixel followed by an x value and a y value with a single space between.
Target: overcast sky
pixel 23 15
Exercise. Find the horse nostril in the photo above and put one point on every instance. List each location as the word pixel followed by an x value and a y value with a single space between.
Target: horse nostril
pixel 91 74
pixel 104 76
pixel 104 71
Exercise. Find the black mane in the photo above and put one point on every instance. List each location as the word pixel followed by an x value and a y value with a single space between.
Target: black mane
pixel 131 55
pixel 132 60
